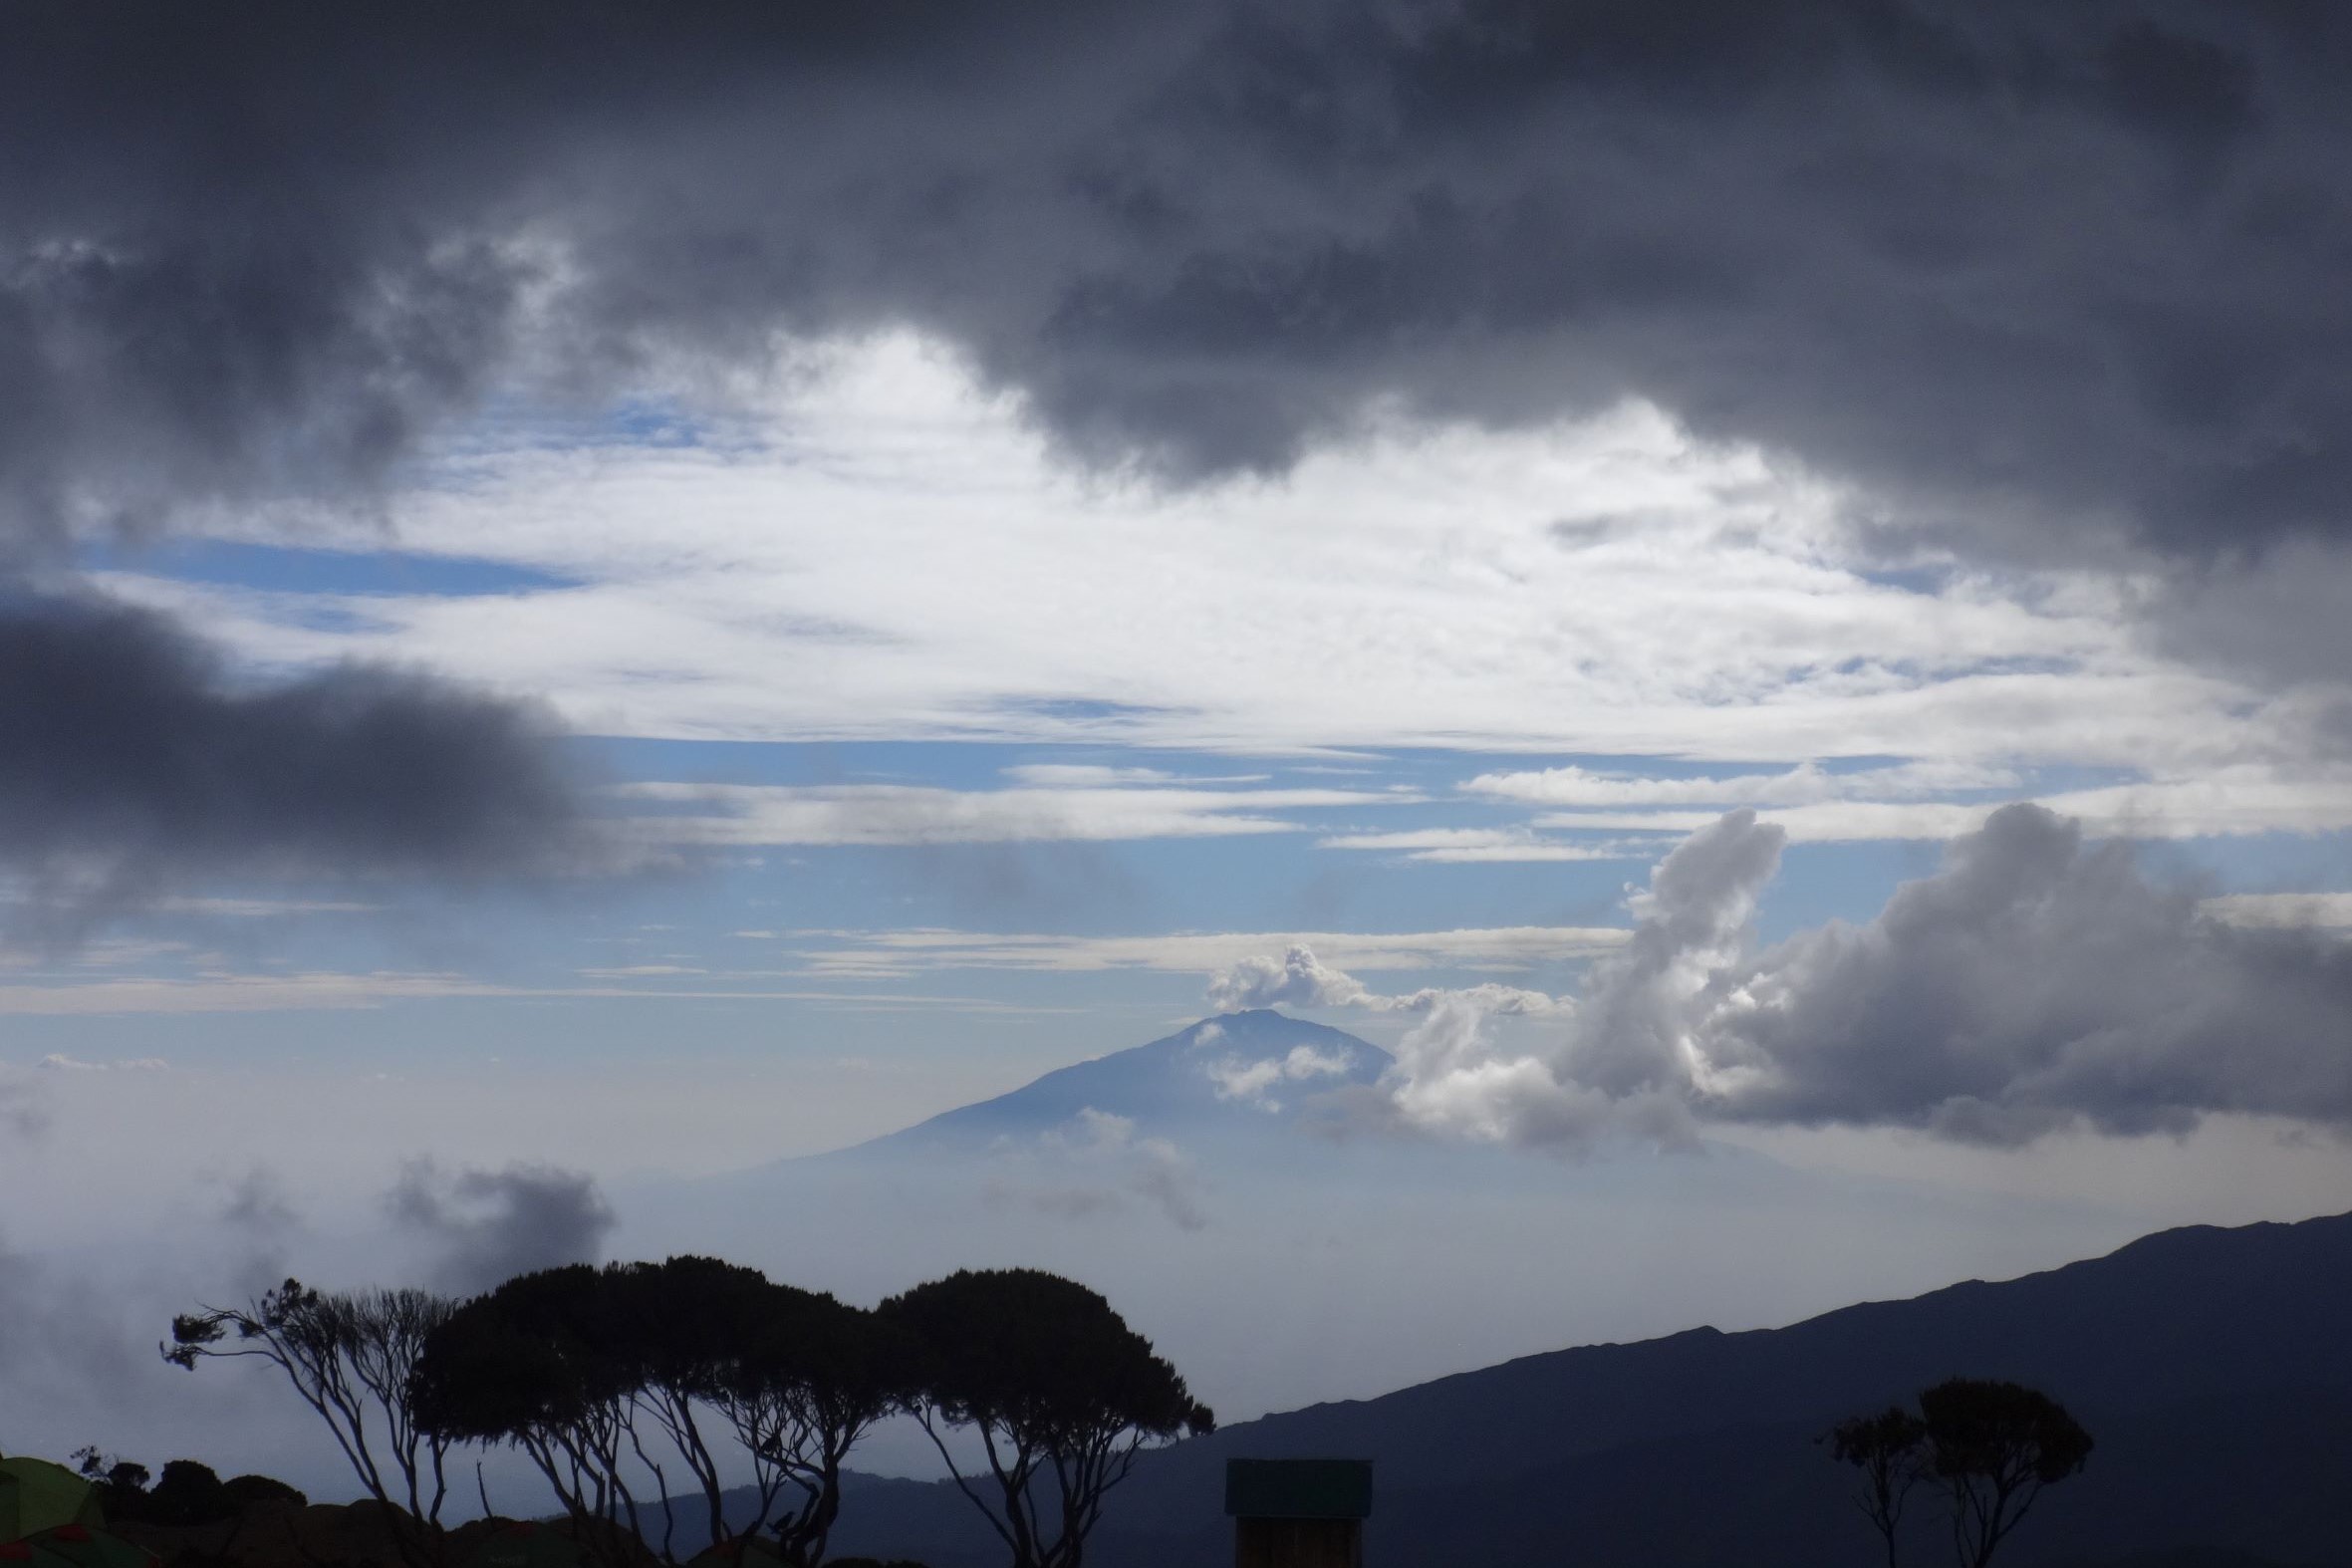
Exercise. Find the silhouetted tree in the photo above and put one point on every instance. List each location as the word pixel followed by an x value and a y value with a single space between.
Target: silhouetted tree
pixel 540 1363
pixel 1993 1446
pixel 795 1376
pixel 1889 1449
pixel 122 1483
pixel 806 1391
pixel 586 1370
pixel 351 1359
pixel 789 1374
pixel 188 1493
pixel 1061 1390
pixel 677 1327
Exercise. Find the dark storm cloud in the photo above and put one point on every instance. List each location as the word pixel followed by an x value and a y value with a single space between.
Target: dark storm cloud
pixel 2281 618
pixel 2013 265
pixel 132 762
pixel 2036 983
pixel 488 1225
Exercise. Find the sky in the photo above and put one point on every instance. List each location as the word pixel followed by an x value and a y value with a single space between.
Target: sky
pixel 593 600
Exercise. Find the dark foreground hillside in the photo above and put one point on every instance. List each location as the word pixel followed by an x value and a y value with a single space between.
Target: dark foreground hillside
pixel 2214 1366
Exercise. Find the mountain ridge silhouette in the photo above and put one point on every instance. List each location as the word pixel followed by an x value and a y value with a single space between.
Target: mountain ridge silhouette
pixel 2210 1363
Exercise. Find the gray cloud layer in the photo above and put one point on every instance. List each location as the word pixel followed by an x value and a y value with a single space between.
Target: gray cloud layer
pixel 489 1226
pixel 133 763
pixel 2015 263
pixel 59 1341
pixel 2034 985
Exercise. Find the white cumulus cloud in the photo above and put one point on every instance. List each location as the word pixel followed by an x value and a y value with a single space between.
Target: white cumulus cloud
pixel 2037 983
pixel 1251 1082
pixel 1301 979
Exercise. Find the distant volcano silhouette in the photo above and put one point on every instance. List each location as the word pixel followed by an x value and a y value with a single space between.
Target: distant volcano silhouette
pixel 1229 1074
pixel 1235 1188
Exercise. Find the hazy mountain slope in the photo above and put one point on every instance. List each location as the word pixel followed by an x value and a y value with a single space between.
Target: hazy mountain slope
pixel 2212 1366
pixel 2174 1316
pixel 1279 1266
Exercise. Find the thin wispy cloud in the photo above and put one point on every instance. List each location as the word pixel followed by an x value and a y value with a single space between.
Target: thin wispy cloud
pixel 898 954
pixel 338 992
pixel 746 815
pixel 2229 802
pixel 1479 846
pixel 1805 783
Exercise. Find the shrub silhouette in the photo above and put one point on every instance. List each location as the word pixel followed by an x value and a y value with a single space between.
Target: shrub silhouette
pixel 249 1492
pixel 188 1493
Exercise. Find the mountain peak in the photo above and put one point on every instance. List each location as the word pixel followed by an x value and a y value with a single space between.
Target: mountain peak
pixel 1260 1025
pixel 1240 1070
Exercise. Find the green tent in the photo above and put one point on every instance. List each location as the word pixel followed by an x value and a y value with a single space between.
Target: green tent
pixel 744 1551
pixel 75 1547
pixel 35 1494
pixel 525 1545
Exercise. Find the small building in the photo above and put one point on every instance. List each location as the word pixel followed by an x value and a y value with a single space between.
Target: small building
pixel 1298 1513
